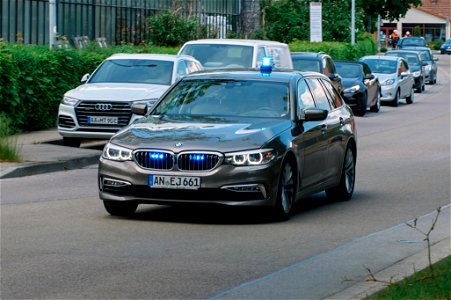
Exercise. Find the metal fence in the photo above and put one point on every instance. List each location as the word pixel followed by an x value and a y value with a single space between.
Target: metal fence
pixel 116 21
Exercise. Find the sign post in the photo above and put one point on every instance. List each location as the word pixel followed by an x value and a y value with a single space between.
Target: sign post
pixel 316 19
pixel 52 24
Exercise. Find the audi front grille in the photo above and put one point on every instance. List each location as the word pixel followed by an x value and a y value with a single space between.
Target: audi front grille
pixel 88 109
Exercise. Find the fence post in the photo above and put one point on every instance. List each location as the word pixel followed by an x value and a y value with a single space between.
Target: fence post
pixel 52 24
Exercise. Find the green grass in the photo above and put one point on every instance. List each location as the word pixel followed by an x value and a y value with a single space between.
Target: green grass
pixel 421 285
pixel 8 150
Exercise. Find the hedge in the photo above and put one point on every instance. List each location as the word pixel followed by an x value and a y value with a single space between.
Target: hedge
pixel 35 78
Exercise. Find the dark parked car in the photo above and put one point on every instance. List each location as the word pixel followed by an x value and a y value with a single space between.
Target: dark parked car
pixel 362 89
pixel 234 138
pixel 446 47
pixel 412 41
pixel 416 65
pixel 427 57
pixel 317 62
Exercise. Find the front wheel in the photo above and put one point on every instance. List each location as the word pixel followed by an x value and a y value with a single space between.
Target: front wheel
pixel 395 101
pixel 362 106
pixel 377 106
pixel 345 188
pixel 286 193
pixel 119 208
pixel 409 99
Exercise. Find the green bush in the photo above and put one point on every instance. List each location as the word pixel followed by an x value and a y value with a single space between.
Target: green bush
pixel 34 79
pixel 338 51
pixel 170 29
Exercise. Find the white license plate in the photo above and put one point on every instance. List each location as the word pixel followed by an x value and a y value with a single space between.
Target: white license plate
pixel 102 120
pixel 174 182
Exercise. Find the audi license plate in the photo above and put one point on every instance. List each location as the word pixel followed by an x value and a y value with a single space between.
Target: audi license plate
pixel 174 182
pixel 102 120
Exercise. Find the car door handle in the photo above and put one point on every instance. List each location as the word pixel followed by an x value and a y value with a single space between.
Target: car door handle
pixel 341 121
pixel 323 129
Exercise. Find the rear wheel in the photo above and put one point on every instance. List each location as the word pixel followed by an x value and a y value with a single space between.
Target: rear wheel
pixel 286 193
pixel 71 142
pixel 345 188
pixel 119 208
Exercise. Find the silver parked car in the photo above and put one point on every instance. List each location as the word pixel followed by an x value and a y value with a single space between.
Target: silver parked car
pixel 101 106
pixel 234 138
pixel 395 77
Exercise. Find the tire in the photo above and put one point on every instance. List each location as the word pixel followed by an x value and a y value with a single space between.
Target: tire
pixel 377 106
pixel 420 88
pixel 395 102
pixel 409 99
pixel 286 193
pixel 119 208
pixel 361 111
pixel 71 142
pixel 345 189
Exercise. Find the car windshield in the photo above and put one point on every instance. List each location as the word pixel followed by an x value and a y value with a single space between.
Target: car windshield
pixel 226 97
pixel 349 70
pixel 383 66
pixel 413 42
pixel 213 56
pixel 306 65
pixel 412 59
pixel 134 71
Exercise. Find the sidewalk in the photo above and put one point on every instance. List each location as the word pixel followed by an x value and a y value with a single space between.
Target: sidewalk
pixel 43 152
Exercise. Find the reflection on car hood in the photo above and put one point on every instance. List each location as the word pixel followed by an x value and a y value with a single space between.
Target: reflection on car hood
pixel 348 82
pixel 383 77
pixel 201 133
pixel 117 91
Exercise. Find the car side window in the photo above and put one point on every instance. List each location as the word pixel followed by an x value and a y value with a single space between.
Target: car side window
pixel 260 55
pixel 181 69
pixel 192 66
pixel 330 66
pixel 333 96
pixel 305 98
pixel 366 70
pixel 319 94
pixel 404 66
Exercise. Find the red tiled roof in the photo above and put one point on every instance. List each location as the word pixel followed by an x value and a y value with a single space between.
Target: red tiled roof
pixel 438 8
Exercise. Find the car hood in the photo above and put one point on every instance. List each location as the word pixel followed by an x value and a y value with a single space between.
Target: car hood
pixel 117 91
pixel 383 77
pixel 348 82
pixel 222 134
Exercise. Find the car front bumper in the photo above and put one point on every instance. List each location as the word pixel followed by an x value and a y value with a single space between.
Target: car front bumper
pixel 226 185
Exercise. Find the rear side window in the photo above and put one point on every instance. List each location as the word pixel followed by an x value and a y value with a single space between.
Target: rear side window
pixel 319 94
pixel 333 96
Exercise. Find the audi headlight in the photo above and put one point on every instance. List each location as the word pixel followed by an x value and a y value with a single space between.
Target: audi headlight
pixel 69 101
pixel 250 158
pixel 388 82
pixel 352 89
pixel 428 68
pixel 115 152
pixel 416 74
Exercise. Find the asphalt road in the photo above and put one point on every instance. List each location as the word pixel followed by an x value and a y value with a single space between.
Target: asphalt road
pixel 57 242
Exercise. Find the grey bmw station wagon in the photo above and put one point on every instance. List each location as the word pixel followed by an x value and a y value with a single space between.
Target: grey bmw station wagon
pixel 243 137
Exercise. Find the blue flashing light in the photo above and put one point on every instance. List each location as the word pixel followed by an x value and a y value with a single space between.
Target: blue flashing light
pixel 197 157
pixel 156 156
pixel 266 66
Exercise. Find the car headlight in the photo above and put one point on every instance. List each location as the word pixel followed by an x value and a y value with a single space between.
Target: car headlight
pixel 250 158
pixel 388 82
pixel 352 89
pixel 69 101
pixel 428 68
pixel 416 74
pixel 115 152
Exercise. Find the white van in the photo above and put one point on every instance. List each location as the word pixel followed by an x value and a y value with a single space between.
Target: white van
pixel 237 53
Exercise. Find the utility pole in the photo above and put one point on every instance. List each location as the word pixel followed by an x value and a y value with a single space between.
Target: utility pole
pixel 353 22
pixel 52 24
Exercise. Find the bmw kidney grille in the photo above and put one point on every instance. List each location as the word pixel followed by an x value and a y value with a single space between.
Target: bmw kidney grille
pixel 187 161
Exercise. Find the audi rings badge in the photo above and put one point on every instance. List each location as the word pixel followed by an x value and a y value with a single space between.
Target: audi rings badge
pixel 103 106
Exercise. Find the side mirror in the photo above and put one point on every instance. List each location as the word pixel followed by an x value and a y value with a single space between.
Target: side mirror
pixel 85 78
pixel 313 114
pixel 404 74
pixel 369 76
pixel 435 58
pixel 332 76
pixel 139 109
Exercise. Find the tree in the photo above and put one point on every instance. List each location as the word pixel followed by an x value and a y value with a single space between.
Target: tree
pixel 387 9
